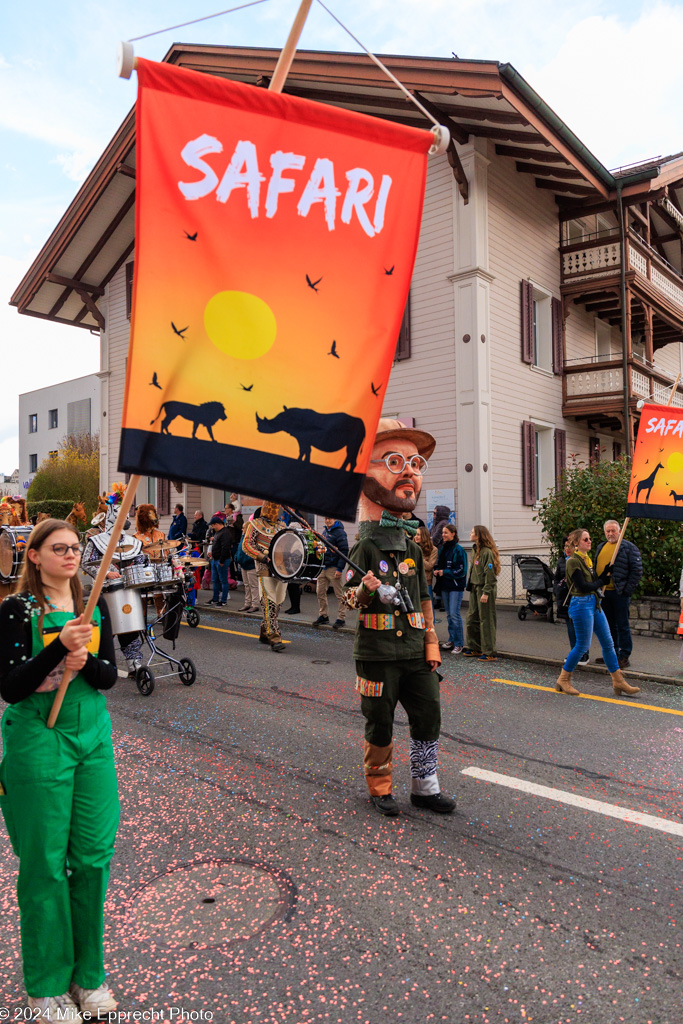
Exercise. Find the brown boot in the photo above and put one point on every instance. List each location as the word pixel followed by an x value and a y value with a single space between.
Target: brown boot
pixel 564 684
pixel 621 686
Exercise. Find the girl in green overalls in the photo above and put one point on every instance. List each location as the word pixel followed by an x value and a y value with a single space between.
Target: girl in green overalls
pixel 58 789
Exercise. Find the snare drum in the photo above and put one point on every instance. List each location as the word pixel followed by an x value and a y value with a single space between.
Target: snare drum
pixel 139 575
pixel 125 611
pixel 163 573
pixel 12 543
pixel 291 559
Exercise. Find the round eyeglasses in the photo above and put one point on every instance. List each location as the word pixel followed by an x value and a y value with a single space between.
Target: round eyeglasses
pixel 396 463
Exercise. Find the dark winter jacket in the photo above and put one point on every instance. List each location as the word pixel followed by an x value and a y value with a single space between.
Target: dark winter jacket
pixel 453 561
pixel 199 529
pixel 222 545
pixel 178 527
pixel 336 534
pixel 627 570
pixel 560 588
pixel 441 519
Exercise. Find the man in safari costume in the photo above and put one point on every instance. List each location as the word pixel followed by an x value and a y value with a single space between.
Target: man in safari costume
pixel 396 647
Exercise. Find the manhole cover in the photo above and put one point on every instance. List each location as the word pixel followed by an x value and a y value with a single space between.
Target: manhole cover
pixel 211 903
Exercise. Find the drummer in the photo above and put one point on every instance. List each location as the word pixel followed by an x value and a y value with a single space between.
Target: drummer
pixel 147 522
pixel 125 556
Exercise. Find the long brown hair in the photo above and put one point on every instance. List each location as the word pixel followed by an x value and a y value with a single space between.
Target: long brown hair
pixel 483 539
pixel 575 536
pixel 30 580
pixel 424 540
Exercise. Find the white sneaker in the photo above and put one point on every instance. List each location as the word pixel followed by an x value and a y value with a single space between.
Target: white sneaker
pixel 94 1001
pixel 457 650
pixel 55 1008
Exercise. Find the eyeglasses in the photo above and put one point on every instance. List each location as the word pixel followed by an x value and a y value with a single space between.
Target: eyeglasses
pixel 396 463
pixel 61 549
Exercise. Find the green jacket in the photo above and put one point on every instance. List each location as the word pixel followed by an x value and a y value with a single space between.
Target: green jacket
pixel 384 633
pixel 482 572
pixel 593 582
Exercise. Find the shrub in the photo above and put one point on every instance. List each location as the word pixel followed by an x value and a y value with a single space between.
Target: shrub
pixel 72 475
pixel 591 494
pixel 54 508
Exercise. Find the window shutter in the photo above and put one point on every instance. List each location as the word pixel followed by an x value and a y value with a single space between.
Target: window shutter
pixel 527 322
pixel 593 450
pixel 129 288
pixel 557 336
pixel 528 463
pixel 560 456
pixel 163 497
pixel 403 343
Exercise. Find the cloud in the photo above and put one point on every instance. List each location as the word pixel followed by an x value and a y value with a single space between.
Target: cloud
pixel 618 84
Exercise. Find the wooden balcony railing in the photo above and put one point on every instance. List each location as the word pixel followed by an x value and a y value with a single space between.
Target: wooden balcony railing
pixel 600 384
pixel 601 257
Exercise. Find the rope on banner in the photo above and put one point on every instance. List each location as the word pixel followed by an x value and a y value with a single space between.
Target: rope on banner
pixel 442 136
pixel 194 21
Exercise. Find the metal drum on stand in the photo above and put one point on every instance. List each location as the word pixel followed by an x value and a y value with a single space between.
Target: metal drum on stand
pixel 293 556
pixel 125 610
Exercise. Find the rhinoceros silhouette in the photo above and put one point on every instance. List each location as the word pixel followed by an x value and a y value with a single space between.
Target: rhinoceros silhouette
pixel 328 432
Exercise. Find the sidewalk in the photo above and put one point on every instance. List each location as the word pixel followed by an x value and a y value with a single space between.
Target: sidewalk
pixel 533 640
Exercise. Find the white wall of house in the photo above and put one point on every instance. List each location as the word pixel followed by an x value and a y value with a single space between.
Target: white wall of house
pixel 53 411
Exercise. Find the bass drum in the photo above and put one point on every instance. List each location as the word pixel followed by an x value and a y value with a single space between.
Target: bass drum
pixel 12 543
pixel 291 559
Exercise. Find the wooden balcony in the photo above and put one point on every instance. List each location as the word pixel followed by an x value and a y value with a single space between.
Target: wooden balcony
pixel 593 390
pixel 594 264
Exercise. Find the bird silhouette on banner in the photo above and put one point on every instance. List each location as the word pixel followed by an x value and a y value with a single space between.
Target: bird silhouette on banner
pixel 154 383
pixel 333 350
pixel 180 331
pixel 312 284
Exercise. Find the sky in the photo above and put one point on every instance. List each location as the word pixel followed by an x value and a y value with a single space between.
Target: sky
pixel 611 69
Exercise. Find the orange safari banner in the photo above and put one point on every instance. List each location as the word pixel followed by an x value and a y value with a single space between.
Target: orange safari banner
pixel 656 488
pixel 274 245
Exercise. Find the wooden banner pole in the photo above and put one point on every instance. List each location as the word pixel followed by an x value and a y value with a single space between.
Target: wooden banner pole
pixel 289 49
pixel 116 532
pixel 627 520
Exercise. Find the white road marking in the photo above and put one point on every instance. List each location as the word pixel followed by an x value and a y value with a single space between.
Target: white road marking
pixel 611 810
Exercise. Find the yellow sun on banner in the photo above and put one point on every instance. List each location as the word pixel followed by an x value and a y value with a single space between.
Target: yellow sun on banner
pixel 240 324
pixel 675 462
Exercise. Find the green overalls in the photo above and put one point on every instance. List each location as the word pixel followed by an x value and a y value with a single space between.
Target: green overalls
pixel 481 618
pixel 61 808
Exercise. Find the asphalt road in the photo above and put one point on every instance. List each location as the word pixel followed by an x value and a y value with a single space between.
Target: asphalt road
pixel 253 881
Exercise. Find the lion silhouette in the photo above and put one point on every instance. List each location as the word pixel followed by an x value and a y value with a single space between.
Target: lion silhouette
pixel 205 415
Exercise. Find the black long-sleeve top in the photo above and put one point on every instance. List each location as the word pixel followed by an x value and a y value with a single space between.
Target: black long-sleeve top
pixel 21 674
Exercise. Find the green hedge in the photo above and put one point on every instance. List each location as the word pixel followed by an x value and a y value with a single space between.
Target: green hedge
pixel 55 508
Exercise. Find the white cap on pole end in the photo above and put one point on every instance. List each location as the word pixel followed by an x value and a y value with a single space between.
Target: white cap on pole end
pixel 442 138
pixel 125 60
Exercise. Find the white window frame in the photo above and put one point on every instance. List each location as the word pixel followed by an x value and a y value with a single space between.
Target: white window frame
pixel 544 454
pixel 542 328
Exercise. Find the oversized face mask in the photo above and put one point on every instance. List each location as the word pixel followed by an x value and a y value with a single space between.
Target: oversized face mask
pixel 395 492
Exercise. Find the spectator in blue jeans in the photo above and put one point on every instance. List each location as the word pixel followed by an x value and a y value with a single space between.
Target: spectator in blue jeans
pixel 221 550
pixel 585 591
pixel 450 576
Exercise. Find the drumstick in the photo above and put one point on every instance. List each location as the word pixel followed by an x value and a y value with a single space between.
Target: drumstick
pixel 331 547
pixel 117 529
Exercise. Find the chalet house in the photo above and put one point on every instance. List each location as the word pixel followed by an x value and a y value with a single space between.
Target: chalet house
pixel 547 297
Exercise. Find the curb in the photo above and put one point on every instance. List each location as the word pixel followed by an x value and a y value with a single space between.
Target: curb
pixel 534 659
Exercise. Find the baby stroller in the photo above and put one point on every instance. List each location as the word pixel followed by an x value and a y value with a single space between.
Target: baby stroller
pixel 538 580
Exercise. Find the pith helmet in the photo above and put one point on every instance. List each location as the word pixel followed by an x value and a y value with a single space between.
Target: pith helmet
pixel 388 430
